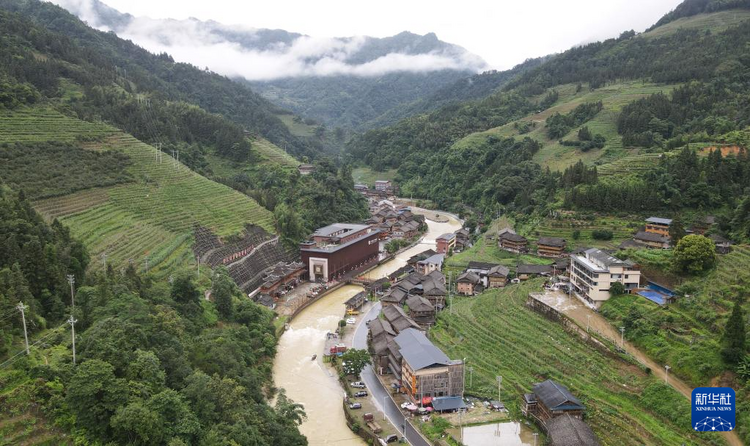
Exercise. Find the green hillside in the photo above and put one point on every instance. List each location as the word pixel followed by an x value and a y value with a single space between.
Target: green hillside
pixel 499 335
pixel 150 217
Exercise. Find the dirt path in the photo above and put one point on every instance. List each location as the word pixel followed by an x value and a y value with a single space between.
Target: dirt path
pixel 587 318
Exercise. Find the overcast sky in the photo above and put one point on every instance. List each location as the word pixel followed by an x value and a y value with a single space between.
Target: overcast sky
pixel 503 32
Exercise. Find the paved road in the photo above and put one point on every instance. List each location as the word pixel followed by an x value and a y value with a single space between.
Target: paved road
pixel 379 393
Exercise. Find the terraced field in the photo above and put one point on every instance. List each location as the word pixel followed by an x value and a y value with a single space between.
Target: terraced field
pixel 621 229
pixel 631 164
pixel 273 153
pixel 151 218
pixel 39 124
pixel 499 335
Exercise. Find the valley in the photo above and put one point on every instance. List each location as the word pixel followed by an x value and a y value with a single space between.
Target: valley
pixel 211 232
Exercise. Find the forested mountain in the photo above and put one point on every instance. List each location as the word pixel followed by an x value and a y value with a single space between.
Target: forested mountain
pixel 156 363
pixel 656 92
pixel 346 82
pixel 690 8
pixel 117 81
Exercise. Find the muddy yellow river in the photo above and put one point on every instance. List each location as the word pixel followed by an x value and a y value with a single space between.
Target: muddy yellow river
pixel 311 383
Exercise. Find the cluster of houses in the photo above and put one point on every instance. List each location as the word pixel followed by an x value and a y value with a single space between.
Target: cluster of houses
pixel 422 293
pixel 382 189
pixel 453 242
pixel 394 221
pixel 554 247
pixel 421 370
pixel 655 234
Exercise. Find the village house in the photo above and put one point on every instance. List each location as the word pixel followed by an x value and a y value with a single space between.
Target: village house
pixel 306 169
pixel 463 240
pixel 380 335
pixel 549 400
pixel 421 256
pixel 550 247
pixel 658 225
pixel 446 243
pixel 430 264
pixel 281 277
pixel 703 224
pixel 526 272
pixel 651 240
pixel 492 275
pixel 355 303
pixel 398 319
pixel 593 272
pixel 421 310
pixel 469 284
pixel 510 241
pixel 566 430
pixel 425 371
pixel 722 245
pixel 497 277
pixel 394 296
pixel 383 185
pixel 361 188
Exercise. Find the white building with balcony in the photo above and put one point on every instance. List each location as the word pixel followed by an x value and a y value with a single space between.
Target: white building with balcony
pixel 593 272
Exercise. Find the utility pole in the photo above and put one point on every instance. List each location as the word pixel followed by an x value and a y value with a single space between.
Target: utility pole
pixel 72 323
pixel 666 376
pixel 21 307
pixel 588 322
pixel 72 281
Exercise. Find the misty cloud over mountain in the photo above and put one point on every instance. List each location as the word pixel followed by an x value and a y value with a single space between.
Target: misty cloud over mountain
pixel 262 54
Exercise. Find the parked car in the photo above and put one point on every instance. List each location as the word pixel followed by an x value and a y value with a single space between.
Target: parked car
pixel 404 405
pixel 360 394
pixel 351 321
pixel 355 406
pixel 391 438
pixel 358 385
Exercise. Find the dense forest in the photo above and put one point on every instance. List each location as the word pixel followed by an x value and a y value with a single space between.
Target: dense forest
pixel 302 203
pixel 114 80
pixel 157 364
pixel 710 105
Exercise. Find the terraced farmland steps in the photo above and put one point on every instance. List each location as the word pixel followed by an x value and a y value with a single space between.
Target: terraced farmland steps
pixel 582 316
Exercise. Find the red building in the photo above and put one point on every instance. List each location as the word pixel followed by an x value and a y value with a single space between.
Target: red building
pixel 338 249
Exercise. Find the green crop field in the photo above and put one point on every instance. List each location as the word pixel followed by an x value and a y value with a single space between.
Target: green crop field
pixel 365 175
pixel 151 217
pixel 297 128
pixel 499 335
pixel 39 124
pixel 558 157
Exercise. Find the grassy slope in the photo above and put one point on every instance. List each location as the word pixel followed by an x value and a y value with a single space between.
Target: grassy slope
pixel 297 128
pixel 500 336
pixel 716 22
pixel 558 157
pixel 152 217
pixel 268 153
pixel 365 175
pixel 687 335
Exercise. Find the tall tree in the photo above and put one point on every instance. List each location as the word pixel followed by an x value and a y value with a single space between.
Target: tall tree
pixel 223 289
pixel 734 339
pixel 676 230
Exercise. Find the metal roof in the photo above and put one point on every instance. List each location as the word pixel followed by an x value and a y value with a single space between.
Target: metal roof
pixel 556 396
pixel 336 227
pixel 418 351
pixel 444 403
pixel 659 221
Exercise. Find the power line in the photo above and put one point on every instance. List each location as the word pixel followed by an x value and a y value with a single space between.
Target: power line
pixel 14 357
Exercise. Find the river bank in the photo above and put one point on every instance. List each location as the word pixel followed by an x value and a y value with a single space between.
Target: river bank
pixel 311 382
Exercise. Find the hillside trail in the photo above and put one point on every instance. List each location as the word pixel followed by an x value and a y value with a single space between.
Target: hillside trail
pixel 586 317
